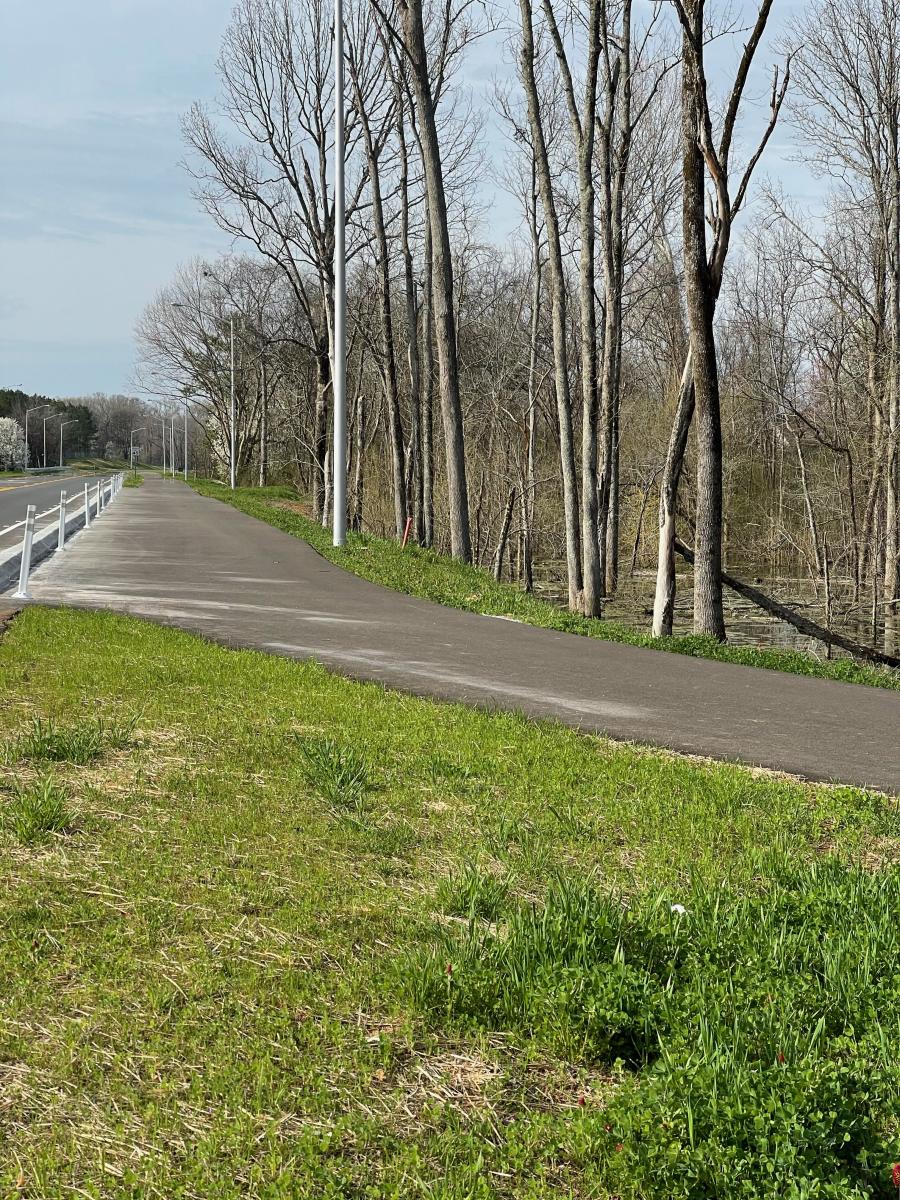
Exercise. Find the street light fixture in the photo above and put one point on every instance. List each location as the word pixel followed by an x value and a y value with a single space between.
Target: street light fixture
pixel 36 408
pixel 339 363
pixel 62 426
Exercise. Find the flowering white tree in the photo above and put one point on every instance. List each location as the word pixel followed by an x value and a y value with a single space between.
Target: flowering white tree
pixel 13 451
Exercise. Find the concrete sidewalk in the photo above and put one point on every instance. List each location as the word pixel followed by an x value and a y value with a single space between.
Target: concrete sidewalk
pixel 166 553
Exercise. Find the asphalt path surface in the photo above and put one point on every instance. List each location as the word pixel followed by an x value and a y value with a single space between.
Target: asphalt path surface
pixel 165 553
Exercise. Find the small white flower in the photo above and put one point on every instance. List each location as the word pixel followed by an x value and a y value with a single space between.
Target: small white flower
pixel 679 909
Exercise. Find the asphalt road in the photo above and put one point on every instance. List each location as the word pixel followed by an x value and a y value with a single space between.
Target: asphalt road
pixel 43 491
pixel 163 552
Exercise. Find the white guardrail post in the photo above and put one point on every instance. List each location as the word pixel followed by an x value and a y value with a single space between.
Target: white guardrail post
pixel 61 539
pixel 25 567
pixel 106 492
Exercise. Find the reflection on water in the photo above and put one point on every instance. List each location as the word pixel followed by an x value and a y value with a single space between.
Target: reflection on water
pixel 746 624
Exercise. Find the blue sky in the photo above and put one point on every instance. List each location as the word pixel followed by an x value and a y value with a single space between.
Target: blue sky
pixel 95 210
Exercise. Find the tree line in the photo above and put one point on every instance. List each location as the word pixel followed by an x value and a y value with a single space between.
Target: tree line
pixel 672 359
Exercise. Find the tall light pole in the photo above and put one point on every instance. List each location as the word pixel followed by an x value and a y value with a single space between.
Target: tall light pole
pixel 62 426
pixel 185 403
pixel 36 408
pixel 233 441
pixel 339 362
pixel 46 419
pixel 140 429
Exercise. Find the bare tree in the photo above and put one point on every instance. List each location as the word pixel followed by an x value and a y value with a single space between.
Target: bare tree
pixel 848 108
pixel 702 153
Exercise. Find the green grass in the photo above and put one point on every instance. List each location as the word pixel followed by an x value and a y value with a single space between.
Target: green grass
pixel 229 976
pixel 133 480
pixel 37 811
pixel 82 742
pixel 432 576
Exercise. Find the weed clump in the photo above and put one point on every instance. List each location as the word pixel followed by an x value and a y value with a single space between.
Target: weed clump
pixel 473 893
pixel 81 743
pixel 340 775
pixel 38 811
pixel 751 1032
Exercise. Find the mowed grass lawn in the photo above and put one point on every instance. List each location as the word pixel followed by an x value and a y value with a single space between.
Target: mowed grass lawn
pixel 269 933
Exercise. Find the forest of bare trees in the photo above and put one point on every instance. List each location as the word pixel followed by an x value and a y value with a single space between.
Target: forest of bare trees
pixel 673 362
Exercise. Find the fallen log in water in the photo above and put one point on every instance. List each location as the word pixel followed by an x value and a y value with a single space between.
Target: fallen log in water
pixel 799 622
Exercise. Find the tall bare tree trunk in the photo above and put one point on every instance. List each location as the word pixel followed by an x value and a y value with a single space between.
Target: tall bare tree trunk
pixel 807 503
pixel 264 426
pixel 428 397
pixel 664 599
pixel 415 464
pixel 892 456
pixel 615 134
pixel 558 302
pixel 356 518
pixel 320 434
pixel 442 286
pixel 583 125
pixel 527 496
pixel 709 616
pixel 383 269
pixel 503 536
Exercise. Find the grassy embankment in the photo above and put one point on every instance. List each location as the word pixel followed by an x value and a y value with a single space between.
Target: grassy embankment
pixel 271 933
pixel 432 576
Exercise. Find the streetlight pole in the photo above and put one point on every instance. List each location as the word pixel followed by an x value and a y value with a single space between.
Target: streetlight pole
pixel 339 363
pixel 185 403
pixel 36 408
pixel 62 426
pixel 140 429
pixel 233 440
pixel 46 419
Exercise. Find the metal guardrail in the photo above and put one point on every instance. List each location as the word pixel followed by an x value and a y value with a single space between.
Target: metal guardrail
pixel 98 498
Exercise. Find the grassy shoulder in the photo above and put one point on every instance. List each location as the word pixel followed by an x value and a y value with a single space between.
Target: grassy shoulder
pixel 424 573
pixel 268 932
pixel 133 479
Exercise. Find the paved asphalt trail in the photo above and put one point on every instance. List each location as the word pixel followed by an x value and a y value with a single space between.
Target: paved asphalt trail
pixel 163 552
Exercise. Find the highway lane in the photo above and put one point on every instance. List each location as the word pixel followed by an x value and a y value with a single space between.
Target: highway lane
pixel 17 494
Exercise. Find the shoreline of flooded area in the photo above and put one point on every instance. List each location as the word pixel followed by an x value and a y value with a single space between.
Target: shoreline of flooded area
pixel 746 624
